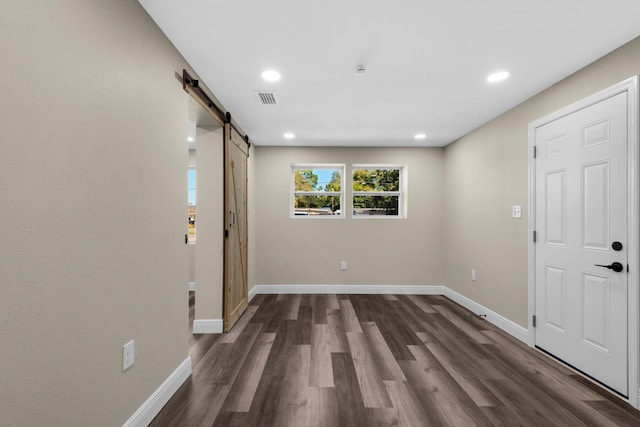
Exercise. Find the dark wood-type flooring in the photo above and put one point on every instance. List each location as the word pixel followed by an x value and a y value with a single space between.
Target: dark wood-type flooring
pixel 379 360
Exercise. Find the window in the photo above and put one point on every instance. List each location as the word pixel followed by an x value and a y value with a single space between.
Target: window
pixel 317 190
pixel 378 191
pixel 192 205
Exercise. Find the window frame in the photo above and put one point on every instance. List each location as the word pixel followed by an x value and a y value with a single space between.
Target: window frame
pixel 401 193
pixel 342 167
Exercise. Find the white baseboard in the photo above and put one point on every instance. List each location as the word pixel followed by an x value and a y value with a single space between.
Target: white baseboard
pixel 346 289
pixel 152 406
pixel 501 322
pixel 192 286
pixel 208 326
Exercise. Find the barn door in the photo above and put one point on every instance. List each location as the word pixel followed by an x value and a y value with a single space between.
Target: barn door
pixel 236 151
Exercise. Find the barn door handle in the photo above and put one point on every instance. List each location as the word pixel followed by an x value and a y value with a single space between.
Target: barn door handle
pixel 616 266
pixel 233 217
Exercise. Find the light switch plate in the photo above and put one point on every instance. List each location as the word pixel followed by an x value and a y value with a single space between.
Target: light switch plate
pixel 516 211
pixel 128 355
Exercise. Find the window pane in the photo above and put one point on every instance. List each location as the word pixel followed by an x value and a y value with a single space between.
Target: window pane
pixel 375 205
pixel 317 179
pixel 192 187
pixel 317 190
pixel 376 180
pixel 317 205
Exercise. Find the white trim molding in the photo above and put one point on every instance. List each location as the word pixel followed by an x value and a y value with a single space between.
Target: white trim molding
pixel 501 322
pixel 491 316
pixel 152 406
pixel 208 326
pixel 346 289
pixel 252 293
pixel 629 86
pixel 633 245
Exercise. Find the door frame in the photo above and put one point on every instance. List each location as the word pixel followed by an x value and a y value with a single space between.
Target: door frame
pixel 630 86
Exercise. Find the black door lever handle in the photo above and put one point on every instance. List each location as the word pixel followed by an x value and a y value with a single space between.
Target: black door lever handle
pixel 616 266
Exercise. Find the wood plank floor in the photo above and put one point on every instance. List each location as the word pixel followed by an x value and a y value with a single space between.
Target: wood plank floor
pixel 379 360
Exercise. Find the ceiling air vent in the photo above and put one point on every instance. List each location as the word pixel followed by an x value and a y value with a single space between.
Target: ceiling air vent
pixel 267 98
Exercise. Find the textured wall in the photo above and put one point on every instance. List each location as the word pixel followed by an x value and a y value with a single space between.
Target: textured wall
pixel 92 200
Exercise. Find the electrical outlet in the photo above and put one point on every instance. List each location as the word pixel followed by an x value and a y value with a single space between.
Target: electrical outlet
pixel 343 265
pixel 128 355
pixel 473 275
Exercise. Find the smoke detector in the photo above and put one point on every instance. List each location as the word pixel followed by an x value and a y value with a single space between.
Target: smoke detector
pixel 360 70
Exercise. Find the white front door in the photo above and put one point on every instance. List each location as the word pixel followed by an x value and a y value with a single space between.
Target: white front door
pixel 581 213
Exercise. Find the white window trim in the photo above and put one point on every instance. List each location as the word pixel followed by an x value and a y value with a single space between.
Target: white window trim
pixel 341 193
pixel 402 194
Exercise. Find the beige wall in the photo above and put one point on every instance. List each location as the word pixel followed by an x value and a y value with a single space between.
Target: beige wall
pixel 486 173
pixel 378 251
pixel 251 217
pixel 210 224
pixel 92 199
pixel 191 262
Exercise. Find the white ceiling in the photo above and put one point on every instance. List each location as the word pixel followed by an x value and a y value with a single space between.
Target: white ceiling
pixel 426 61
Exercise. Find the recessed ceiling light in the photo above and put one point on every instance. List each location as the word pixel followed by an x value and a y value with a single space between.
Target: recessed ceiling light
pixel 420 136
pixel 289 135
pixel 190 139
pixel 498 76
pixel 271 75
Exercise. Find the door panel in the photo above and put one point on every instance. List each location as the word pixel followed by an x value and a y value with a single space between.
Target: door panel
pixel 235 271
pixel 556 212
pixel 555 290
pixel 581 208
pixel 595 209
pixel 595 308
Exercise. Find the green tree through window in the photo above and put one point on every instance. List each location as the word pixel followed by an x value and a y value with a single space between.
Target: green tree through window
pixel 317 190
pixel 376 191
